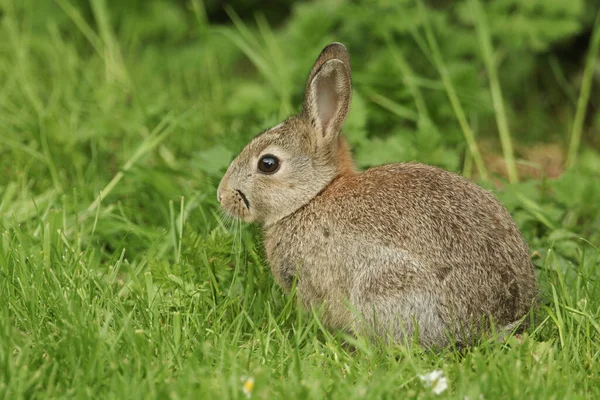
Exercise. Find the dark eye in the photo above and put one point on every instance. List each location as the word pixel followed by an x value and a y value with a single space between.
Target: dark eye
pixel 268 164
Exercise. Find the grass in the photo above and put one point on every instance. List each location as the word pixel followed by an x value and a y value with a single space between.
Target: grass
pixel 435 52
pixel 584 94
pixel 496 91
pixel 118 278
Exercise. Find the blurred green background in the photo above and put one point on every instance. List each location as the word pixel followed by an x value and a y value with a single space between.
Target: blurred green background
pixel 118 119
pixel 244 62
pixel 85 82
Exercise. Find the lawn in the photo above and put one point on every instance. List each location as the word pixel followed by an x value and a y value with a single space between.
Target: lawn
pixel 119 276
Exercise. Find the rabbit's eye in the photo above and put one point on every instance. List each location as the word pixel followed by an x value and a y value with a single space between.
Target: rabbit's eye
pixel 268 164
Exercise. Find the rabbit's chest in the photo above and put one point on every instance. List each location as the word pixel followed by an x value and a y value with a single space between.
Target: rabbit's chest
pixel 322 279
pixel 309 260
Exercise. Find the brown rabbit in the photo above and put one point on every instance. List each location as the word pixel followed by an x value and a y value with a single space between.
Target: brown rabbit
pixel 396 250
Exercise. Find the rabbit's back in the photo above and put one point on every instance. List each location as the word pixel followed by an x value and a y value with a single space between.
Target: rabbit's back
pixel 431 241
pixel 439 216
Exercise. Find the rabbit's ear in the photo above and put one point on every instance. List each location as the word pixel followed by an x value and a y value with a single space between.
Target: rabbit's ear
pixel 328 91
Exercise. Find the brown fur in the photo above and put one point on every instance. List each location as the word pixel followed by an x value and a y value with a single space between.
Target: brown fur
pixel 396 248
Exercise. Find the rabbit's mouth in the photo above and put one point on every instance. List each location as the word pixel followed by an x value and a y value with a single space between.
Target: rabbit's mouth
pixel 243 197
pixel 236 204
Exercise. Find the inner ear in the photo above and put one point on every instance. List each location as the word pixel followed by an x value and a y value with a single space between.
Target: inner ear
pixel 329 98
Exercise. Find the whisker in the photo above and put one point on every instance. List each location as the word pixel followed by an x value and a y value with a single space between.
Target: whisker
pixel 238 235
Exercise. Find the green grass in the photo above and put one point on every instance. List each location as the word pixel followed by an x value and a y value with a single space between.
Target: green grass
pixel 119 278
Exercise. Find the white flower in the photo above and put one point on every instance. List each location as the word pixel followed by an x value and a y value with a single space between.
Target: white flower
pixel 247 386
pixel 435 380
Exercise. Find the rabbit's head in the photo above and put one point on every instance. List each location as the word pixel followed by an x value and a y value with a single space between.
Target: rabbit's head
pixel 284 167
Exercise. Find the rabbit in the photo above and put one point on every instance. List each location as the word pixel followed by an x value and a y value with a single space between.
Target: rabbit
pixel 406 252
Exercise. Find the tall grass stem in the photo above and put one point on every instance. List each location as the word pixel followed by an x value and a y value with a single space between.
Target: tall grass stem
pixel 452 95
pixel 485 43
pixel 584 95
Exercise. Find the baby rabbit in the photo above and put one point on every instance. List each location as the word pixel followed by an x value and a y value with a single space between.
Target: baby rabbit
pixel 405 251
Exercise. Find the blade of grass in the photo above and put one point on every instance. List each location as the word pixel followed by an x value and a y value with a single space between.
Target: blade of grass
pixel 164 128
pixel 200 12
pixel 75 15
pixel 391 105
pixel 485 43
pixel 115 66
pixel 266 56
pixel 452 95
pixel 408 77
pixel 280 67
pixel 468 161
pixel 557 317
pixel 584 94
